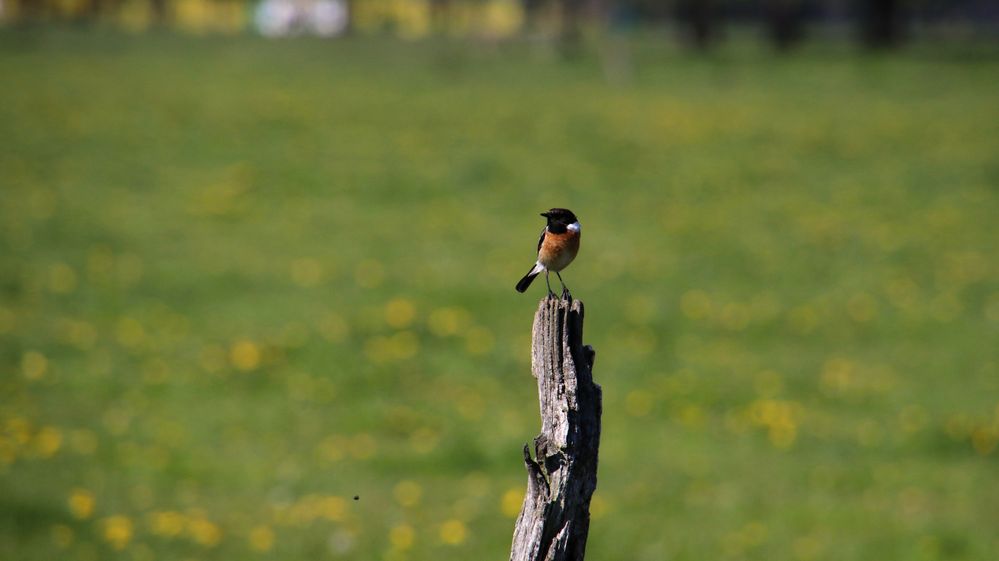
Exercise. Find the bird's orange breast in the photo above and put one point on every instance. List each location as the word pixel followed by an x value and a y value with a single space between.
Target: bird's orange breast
pixel 558 250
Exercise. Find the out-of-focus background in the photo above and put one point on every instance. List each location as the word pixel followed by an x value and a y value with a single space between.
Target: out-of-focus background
pixel 256 286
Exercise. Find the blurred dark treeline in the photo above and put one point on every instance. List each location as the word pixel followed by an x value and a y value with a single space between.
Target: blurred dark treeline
pixel 878 23
pixel 874 23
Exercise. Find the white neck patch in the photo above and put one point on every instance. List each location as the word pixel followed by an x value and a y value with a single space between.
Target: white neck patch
pixel 574 227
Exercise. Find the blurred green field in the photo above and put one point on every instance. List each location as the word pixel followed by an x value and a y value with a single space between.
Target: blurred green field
pixel 245 281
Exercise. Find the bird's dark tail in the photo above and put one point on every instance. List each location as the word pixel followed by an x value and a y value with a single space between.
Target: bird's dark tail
pixel 529 277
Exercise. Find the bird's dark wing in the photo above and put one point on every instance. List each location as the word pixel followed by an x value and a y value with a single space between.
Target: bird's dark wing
pixel 542 238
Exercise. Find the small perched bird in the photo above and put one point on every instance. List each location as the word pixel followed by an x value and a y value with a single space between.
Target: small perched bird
pixel 557 248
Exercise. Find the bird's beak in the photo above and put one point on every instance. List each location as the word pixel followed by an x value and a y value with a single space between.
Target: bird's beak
pixel 545 214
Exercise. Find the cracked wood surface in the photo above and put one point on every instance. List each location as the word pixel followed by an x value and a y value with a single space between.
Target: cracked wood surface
pixel 561 477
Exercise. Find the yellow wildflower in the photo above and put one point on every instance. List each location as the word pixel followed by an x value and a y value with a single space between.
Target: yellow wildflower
pixel 261 538
pixel 81 503
pixel 402 536
pixel 408 493
pixel 453 532
pixel 244 355
pixel 117 531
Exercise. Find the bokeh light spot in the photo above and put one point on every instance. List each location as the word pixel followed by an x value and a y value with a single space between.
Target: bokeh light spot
pixel 244 355
pixel 453 532
pixel 261 538
pixel 34 365
pixel 511 502
pixel 444 322
pixel 81 503
pixel 408 493
pixel 48 441
pixel 117 531
pixel 402 536
pixel 399 313
pixel 168 523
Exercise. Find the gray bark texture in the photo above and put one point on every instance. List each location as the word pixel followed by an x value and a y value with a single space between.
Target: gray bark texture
pixel 555 518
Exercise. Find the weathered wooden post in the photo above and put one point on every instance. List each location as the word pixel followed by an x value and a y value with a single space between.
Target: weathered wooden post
pixel 555 518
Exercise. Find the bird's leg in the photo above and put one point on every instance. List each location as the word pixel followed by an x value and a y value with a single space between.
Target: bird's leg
pixel 565 289
pixel 550 293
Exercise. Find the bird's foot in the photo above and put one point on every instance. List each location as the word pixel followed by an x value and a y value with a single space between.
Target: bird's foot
pixel 566 295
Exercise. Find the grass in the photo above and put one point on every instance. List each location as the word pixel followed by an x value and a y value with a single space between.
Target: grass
pixel 244 281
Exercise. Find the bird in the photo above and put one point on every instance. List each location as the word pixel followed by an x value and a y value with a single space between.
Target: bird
pixel 557 247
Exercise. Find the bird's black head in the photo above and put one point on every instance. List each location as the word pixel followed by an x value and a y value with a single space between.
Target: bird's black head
pixel 559 218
